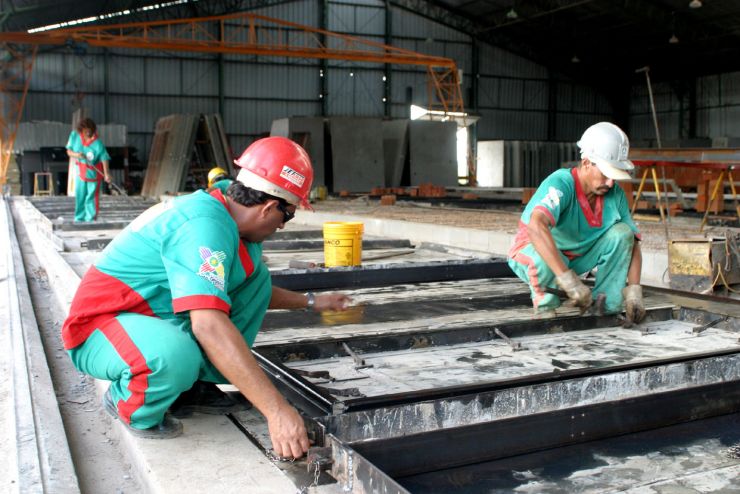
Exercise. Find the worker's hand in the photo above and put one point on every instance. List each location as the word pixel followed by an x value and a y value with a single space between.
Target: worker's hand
pixel 107 178
pixel 634 305
pixel 332 301
pixel 578 293
pixel 288 433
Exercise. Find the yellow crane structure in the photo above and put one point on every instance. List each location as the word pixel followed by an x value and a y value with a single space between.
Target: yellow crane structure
pixel 240 33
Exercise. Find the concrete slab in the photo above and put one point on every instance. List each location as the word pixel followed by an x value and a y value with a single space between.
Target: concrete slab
pixel 433 152
pixel 395 150
pixel 39 459
pixel 309 133
pixel 357 153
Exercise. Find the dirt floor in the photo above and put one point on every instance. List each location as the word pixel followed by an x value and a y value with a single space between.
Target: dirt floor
pixel 652 229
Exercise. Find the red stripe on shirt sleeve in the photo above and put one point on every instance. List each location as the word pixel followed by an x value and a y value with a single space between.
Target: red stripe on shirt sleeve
pixel 194 302
pixel 547 212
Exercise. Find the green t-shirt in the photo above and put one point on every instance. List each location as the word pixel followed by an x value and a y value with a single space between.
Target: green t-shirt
pixel 575 227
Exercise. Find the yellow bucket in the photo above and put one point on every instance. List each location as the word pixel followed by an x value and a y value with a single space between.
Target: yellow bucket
pixel 342 243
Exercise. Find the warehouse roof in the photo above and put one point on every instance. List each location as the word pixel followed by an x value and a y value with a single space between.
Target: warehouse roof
pixel 602 40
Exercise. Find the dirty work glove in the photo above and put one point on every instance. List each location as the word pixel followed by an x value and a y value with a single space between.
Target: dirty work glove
pixel 634 306
pixel 578 293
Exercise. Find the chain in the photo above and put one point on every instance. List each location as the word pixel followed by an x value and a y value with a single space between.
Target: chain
pixel 733 452
pixel 281 459
pixel 315 483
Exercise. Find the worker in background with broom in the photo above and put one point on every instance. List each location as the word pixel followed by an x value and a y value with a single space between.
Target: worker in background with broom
pixel 91 159
pixel 578 220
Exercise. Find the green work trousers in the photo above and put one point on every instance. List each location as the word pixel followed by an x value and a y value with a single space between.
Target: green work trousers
pixel 611 254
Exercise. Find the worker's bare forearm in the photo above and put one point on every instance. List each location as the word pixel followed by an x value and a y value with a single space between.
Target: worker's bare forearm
pixel 287 299
pixel 542 241
pixel 227 350
pixel 635 270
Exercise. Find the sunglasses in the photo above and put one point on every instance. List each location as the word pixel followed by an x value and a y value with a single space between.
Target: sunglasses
pixel 287 215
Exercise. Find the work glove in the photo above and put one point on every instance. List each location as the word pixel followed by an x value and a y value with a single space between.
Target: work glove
pixel 578 293
pixel 634 306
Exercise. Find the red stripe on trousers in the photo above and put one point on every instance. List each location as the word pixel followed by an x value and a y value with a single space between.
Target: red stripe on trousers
pixel 97 199
pixel 534 282
pixel 130 353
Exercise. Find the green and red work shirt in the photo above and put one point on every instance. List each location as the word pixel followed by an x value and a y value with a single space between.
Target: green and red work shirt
pixel 93 154
pixel 575 226
pixel 178 256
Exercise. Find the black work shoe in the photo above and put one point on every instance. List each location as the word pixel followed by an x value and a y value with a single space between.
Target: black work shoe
pixel 205 397
pixel 167 429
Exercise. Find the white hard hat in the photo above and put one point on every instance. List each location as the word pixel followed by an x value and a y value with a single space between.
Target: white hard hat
pixel 605 145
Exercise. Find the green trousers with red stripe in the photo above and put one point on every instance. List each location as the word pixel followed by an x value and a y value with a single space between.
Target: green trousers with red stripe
pixel 87 195
pixel 611 254
pixel 148 360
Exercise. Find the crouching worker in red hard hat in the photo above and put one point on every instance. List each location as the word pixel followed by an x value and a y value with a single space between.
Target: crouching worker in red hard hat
pixel 577 220
pixel 178 298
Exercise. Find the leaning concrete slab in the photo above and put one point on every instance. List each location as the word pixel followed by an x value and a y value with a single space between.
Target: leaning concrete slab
pixel 357 153
pixel 40 453
pixel 433 152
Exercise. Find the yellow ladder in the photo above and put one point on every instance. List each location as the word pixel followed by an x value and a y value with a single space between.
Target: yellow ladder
pixel 47 189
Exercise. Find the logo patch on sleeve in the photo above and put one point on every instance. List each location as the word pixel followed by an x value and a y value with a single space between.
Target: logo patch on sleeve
pixel 212 268
pixel 292 176
pixel 552 198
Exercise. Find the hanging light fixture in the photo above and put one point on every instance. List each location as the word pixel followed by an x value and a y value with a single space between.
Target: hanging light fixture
pixel 695 4
pixel 673 39
pixel 511 14
pixel 575 59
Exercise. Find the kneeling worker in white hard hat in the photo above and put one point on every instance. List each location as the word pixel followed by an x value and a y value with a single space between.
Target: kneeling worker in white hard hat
pixel 577 220
pixel 178 298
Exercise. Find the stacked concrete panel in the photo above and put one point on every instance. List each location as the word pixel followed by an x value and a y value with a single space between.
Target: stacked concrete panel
pixel 395 150
pixel 528 163
pixel 170 155
pixel 433 152
pixel 357 153
pixel 309 133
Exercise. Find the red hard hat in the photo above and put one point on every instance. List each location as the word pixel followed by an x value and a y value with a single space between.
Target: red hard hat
pixel 279 167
